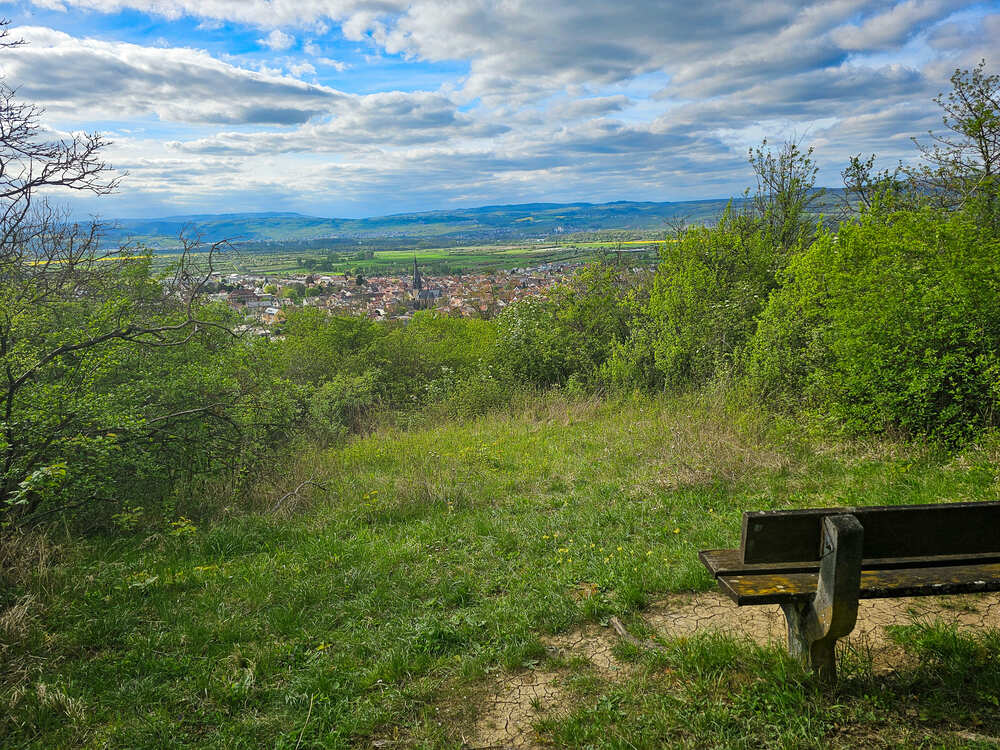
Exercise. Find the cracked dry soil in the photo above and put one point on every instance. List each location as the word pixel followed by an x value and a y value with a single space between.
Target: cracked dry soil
pixel 518 700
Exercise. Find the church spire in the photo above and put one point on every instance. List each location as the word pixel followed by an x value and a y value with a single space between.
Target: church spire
pixel 418 283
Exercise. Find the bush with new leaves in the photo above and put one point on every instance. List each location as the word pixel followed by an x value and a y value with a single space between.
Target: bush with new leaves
pixel 892 321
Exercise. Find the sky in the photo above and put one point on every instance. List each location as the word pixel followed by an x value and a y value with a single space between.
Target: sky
pixel 366 107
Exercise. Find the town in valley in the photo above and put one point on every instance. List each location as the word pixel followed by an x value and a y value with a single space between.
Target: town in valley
pixel 266 300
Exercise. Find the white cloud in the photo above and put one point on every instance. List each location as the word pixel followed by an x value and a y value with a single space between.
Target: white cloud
pixel 115 80
pixel 891 27
pixel 277 40
pixel 316 51
pixel 523 49
pixel 301 69
pixel 387 120
pixel 337 65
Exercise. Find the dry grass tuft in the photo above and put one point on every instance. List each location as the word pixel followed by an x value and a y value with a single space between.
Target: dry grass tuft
pixel 698 442
pixel 16 619
pixel 26 556
pixel 56 699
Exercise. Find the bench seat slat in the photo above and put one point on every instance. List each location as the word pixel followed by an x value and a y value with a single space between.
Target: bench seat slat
pixel 777 588
pixel 730 562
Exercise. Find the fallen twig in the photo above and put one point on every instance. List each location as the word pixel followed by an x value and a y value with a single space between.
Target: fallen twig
pixel 281 500
pixel 619 627
pixel 312 697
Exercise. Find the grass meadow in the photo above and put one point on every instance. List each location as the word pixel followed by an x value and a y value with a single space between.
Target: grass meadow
pixel 375 609
pixel 464 259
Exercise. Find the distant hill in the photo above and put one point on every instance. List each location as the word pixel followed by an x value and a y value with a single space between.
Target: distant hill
pixel 482 224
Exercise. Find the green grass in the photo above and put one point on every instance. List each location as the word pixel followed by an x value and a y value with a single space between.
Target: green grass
pixel 441 553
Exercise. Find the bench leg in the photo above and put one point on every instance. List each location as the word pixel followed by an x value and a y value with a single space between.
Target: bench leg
pixel 815 654
pixel 815 625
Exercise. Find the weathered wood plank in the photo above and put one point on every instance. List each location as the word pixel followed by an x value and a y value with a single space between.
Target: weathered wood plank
pixel 815 625
pixel 952 529
pixel 768 588
pixel 730 562
pixel 777 588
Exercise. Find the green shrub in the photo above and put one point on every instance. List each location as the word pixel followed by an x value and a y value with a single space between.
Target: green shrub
pixel 316 346
pixel 709 287
pixel 431 347
pixel 573 333
pixel 533 345
pixel 892 321
pixel 340 405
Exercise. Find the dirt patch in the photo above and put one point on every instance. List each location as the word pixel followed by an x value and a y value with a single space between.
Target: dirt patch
pixel 684 615
pixel 593 644
pixel 516 702
pixel 514 705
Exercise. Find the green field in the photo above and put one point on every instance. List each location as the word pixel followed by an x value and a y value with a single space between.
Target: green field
pixel 385 609
pixel 436 261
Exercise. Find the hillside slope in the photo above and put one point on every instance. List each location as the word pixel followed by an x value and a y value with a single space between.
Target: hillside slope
pixel 387 605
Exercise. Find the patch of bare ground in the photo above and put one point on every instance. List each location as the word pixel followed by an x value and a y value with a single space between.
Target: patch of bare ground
pixel 517 701
pixel 514 704
pixel 683 615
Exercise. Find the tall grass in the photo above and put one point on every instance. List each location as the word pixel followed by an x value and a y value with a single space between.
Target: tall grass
pixel 382 600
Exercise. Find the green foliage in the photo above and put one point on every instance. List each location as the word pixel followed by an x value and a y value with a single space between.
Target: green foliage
pixel 785 190
pixel 593 308
pixel 961 167
pixel 124 388
pixel 339 405
pixel 574 332
pixel 317 346
pixel 419 361
pixel 532 344
pixel 890 322
pixel 710 286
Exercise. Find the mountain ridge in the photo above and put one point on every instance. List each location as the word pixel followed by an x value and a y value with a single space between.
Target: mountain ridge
pixel 489 223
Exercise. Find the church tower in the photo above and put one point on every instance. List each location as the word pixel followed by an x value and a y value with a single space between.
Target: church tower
pixel 418 283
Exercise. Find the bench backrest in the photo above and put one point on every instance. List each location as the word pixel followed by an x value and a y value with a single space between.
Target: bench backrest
pixel 890 531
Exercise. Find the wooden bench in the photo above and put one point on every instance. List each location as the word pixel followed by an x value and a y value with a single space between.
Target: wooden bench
pixel 818 563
